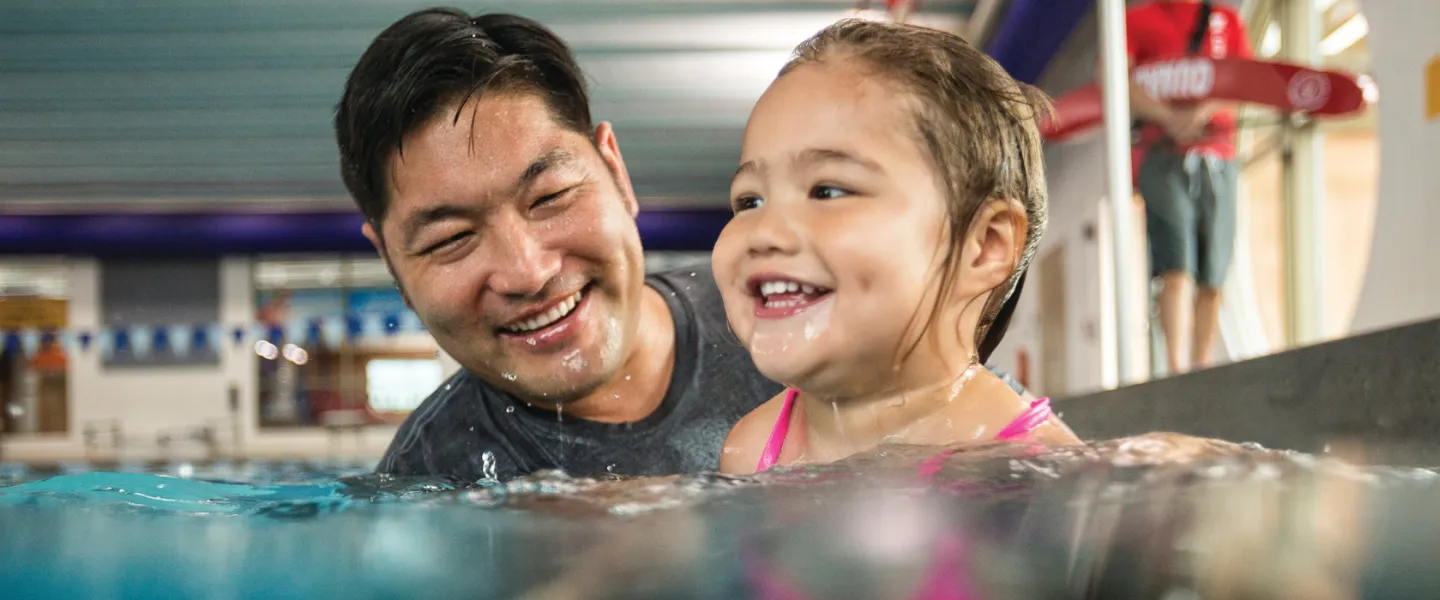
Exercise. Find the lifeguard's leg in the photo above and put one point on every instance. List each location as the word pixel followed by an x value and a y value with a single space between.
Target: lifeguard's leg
pixel 1170 221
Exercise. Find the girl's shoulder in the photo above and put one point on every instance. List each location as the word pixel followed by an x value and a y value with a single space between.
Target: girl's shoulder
pixel 747 438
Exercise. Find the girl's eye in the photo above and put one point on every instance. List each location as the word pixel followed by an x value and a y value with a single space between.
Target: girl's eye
pixel 827 192
pixel 746 203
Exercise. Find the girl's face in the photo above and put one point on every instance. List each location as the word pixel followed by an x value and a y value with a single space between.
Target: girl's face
pixel 833 257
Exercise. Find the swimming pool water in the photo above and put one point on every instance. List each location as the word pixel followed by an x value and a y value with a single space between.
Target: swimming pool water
pixel 1120 519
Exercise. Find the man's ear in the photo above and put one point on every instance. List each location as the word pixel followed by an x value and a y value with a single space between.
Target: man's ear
pixel 371 234
pixel 378 242
pixel 993 246
pixel 609 149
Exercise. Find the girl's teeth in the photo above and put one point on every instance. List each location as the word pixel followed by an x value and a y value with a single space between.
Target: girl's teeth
pixel 807 289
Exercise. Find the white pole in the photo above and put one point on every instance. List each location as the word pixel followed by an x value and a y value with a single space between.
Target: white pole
pixel 1115 85
pixel 1304 188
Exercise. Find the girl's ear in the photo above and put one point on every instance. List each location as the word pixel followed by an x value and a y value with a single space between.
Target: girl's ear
pixel 992 247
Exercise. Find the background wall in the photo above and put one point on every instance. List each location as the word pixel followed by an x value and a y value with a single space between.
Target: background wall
pixel 149 400
pixel 1403 281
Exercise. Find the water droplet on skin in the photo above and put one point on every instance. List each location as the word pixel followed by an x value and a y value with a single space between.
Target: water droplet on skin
pixel 530 341
pixel 627 378
pixel 510 376
pixel 509 410
pixel 617 394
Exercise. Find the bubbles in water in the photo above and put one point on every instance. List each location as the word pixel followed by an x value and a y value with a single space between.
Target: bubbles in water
pixel 509 410
pixel 610 468
pixel 448 386
pixel 472 429
pixel 509 376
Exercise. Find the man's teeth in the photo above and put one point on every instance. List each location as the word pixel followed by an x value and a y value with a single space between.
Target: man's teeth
pixel 555 314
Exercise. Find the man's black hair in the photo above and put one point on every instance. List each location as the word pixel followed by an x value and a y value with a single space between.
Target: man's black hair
pixel 441 57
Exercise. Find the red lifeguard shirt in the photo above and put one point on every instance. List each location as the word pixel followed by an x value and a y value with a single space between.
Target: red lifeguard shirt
pixel 1162 30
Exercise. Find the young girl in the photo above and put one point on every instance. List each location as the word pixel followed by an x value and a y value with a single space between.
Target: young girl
pixel 889 198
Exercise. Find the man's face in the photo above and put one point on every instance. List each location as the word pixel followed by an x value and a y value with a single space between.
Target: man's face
pixel 514 240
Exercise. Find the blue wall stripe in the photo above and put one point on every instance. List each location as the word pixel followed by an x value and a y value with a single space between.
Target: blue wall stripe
pixel 1032 33
pixel 217 233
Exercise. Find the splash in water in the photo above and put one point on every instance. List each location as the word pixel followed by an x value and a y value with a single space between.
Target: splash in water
pixel 487 467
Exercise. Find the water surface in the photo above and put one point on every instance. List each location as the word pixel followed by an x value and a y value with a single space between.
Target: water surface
pixel 1148 517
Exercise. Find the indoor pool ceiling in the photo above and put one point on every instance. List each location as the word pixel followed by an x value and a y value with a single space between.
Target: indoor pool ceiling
pixel 110 104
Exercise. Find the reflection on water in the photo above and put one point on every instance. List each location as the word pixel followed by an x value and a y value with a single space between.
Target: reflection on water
pixel 1149 517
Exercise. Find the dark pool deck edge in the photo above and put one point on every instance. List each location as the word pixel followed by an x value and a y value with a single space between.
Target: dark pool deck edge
pixel 1380 389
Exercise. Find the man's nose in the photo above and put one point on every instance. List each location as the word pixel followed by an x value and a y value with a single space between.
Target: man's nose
pixel 522 261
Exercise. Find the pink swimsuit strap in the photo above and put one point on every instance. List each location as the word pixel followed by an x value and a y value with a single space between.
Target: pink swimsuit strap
pixel 771 454
pixel 1034 416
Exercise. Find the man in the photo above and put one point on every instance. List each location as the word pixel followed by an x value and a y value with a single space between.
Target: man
pixel 1187 172
pixel 508 221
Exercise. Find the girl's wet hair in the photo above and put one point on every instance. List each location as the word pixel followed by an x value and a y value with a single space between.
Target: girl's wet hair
pixel 981 128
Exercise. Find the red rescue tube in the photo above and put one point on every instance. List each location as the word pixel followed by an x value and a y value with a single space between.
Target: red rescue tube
pixel 1286 87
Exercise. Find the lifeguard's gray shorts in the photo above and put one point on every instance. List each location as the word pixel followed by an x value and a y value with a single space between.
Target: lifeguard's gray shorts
pixel 1189 214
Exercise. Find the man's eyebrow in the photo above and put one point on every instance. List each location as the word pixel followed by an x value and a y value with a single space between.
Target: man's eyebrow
pixel 813 156
pixel 417 222
pixel 537 168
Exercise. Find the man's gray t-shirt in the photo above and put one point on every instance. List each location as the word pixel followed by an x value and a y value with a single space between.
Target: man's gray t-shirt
pixel 470 430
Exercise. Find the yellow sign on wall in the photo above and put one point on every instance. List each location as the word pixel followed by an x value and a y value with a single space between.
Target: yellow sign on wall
pixel 1432 88
pixel 22 312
